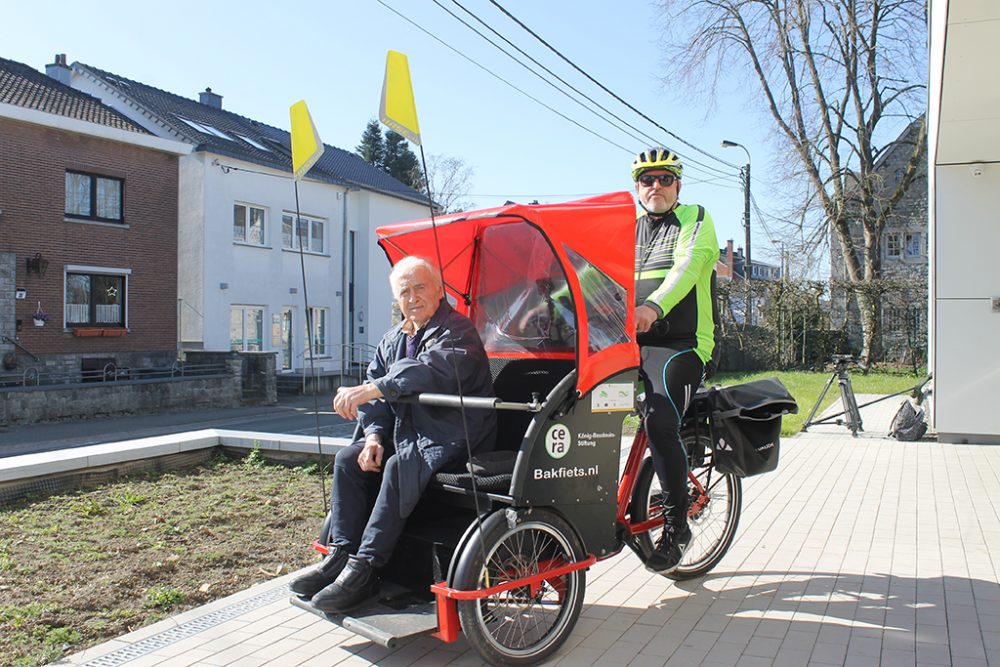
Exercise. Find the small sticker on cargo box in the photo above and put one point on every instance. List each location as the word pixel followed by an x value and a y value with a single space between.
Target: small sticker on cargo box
pixel 613 397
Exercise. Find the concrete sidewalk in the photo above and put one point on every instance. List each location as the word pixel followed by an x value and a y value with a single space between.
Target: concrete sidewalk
pixel 857 551
pixel 296 415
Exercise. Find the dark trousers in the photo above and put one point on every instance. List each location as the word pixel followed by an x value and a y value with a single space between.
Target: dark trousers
pixel 364 506
pixel 671 376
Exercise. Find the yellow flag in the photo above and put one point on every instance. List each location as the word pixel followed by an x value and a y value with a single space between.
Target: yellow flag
pixel 398 111
pixel 306 144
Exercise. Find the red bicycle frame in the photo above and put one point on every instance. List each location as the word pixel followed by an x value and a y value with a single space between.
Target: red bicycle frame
pixel 627 487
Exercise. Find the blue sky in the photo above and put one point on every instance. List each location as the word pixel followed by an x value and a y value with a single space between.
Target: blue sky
pixel 332 54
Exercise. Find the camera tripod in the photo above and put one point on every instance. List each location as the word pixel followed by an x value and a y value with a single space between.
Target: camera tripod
pixel 851 414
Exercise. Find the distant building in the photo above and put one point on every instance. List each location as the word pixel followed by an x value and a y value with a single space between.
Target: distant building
pixel 904 259
pixel 732 267
pixel 88 232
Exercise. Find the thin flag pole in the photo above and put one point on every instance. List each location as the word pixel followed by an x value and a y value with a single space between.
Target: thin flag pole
pixel 306 150
pixel 398 111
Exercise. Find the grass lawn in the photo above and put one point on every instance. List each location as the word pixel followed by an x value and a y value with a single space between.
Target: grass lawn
pixel 806 387
pixel 81 568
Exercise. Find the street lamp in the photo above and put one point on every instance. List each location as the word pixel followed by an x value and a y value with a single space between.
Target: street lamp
pixel 745 177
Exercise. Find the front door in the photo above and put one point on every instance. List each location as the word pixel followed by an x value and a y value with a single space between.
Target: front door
pixel 351 307
pixel 286 339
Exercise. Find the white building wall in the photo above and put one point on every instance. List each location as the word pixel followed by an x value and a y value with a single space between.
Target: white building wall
pixel 964 195
pixel 269 275
pixel 380 210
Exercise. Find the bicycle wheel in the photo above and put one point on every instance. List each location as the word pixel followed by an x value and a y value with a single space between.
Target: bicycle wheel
pixel 713 514
pixel 520 626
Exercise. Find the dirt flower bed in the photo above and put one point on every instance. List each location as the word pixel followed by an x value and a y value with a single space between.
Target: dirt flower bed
pixel 83 568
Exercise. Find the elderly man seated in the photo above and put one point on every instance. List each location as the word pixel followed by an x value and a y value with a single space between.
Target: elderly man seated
pixel 434 349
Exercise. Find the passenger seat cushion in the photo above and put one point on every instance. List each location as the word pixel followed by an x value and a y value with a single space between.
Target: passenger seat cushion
pixel 492 463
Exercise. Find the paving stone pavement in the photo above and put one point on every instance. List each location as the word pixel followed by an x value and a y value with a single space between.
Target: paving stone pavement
pixel 856 551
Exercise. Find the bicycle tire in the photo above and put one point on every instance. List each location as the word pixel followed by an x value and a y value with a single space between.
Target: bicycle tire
pixel 713 524
pixel 517 627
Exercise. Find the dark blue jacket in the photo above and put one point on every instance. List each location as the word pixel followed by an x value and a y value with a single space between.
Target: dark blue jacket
pixel 427 438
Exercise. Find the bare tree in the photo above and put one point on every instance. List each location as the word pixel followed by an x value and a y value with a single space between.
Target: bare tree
pixel 838 78
pixel 451 181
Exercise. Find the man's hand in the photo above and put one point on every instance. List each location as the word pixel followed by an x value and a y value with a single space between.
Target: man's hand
pixel 535 319
pixel 644 318
pixel 347 400
pixel 370 458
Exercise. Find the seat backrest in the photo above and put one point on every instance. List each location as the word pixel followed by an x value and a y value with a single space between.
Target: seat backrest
pixel 516 380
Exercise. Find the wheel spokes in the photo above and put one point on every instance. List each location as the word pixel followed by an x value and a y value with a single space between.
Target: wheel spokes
pixel 519 618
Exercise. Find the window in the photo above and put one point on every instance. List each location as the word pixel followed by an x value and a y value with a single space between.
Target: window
pixel 900 320
pixel 94 299
pixel 893 249
pixel 310 231
pixel 605 302
pixel 526 305
pixel 913 245
pixel 94 197
pixel 317 316
pixel 248 224
pixel 253 143
pixel 204 128
pixel 246 328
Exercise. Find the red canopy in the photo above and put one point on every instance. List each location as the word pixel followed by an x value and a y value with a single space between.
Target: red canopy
pixel 600 230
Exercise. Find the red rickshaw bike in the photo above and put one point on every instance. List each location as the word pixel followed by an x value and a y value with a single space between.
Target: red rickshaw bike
pixel 498 549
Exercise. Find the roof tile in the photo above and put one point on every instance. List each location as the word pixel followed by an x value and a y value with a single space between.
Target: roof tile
pixel 335 166
pixel 23 86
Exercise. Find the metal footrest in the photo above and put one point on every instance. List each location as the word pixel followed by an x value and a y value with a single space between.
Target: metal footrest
pixel 395 614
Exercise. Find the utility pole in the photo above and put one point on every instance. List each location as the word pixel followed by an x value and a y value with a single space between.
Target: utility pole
pixel 747 266
pixel 746 230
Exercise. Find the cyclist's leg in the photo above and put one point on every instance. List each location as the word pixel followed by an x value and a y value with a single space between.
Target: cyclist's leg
pixel 671 377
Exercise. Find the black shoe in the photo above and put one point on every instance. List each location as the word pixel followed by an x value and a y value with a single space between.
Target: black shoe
pixel 669 549
pixel 357 583
pixel 321 576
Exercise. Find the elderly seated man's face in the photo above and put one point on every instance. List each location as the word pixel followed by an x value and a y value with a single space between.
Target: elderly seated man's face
pixel 418 293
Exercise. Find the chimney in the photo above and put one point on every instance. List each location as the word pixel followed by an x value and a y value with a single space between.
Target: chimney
pixel 729 255
pixel 211 99
pixel 59 70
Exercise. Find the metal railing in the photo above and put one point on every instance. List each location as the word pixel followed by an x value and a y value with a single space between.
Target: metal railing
pixel 352 362
pixel 13 341
pixel 36 377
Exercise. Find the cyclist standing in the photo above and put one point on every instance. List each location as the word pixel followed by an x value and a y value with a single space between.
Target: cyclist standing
pixel 676 254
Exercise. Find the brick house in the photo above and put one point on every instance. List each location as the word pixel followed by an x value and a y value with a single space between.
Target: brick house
pixel 88 231
pixel 904 261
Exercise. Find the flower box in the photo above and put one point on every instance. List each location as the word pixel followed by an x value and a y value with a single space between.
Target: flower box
pixel 111 332
pixel 39 322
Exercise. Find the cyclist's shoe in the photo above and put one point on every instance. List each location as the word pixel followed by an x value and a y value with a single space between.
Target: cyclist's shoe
pixel 669 549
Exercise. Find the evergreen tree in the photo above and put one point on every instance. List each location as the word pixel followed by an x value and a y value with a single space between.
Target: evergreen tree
pixel 400 160
pixel 372 146
pixel 390 153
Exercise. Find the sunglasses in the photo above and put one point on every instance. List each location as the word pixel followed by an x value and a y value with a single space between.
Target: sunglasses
pixel 666 180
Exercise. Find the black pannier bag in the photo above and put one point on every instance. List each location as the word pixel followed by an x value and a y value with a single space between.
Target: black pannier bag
pixel 746 426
